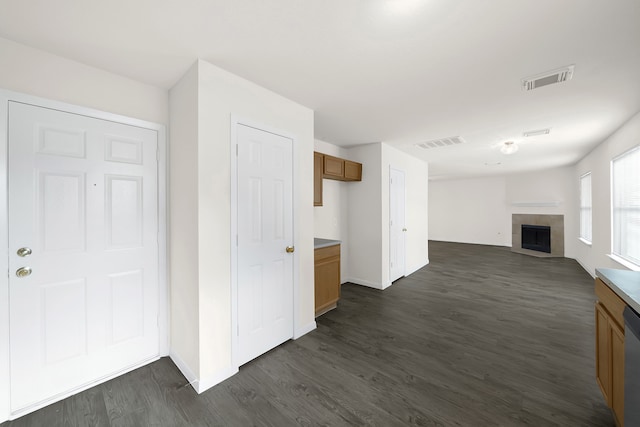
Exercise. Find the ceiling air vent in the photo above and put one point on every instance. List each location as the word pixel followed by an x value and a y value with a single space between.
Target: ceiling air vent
pixel 551 77
pixel 442 142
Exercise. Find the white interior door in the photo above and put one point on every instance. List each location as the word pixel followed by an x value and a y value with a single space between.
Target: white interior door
pixel 265 230
pixel 83 199
pixel 397 226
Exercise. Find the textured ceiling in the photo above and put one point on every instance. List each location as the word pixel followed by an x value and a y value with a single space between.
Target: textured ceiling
pixel 397 71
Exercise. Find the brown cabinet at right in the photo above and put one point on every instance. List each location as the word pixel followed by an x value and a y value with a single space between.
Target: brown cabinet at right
pixel 610 348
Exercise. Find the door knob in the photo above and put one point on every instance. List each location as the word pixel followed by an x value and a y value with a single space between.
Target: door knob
pixel 404 229
pixel 23 252
pixel 23 272
pixel 290 249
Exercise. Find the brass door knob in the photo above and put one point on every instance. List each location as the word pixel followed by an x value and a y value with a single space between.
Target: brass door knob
pixel 23 272
pixel 290 249
pixel 23 252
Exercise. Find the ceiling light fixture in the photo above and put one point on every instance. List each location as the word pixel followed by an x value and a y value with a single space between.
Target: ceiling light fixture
pixel 509 147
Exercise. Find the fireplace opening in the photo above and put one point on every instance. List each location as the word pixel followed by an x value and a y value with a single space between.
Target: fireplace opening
pixel 536 238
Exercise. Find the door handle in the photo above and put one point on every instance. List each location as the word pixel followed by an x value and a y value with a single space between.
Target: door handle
pixel 290 249
pixel 23 272
pixel 23 252
pixel 404 229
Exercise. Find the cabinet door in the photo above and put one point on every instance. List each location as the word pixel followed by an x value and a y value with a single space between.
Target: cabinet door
pixel 318 165
pixel 352 171
pixel 333 167
pixel 603 362
pixel 327 286
pixel 617 371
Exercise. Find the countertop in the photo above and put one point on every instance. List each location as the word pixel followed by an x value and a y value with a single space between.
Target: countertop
pixel 323 243
pixel 625 283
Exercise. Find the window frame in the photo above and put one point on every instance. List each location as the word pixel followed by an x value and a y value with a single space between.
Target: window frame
pixel 587 239
pixel 618 255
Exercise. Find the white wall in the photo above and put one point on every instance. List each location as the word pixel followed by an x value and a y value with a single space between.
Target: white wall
pixel 598 162
pixel 478 210
pixel 470 210
pixel 184 261
pixel 331 219
pixel 416 209
pixel 368 212
pixel 221 95
pixel 364 209
pixel 37 73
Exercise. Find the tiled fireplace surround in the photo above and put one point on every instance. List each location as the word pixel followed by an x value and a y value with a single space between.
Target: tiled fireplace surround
pixel 556 222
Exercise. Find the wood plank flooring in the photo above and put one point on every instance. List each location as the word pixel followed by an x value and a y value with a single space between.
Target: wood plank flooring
pixel 480 337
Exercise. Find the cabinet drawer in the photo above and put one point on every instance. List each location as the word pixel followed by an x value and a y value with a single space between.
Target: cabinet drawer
pixel 611 302
pixel 328 252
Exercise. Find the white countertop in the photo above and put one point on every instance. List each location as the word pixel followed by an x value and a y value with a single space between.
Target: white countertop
pixel 323 243
pixel 625 283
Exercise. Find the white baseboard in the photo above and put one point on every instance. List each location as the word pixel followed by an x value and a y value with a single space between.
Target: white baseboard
pixel 366 283
pixel 412 270
pixel 585 268
pixel 183 367
pixel 201 385
pixel 386 284
pixel 212 380
pixel 299 332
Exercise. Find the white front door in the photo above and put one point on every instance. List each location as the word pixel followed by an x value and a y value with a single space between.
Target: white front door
pixel 83 201
pixel 265 230
pixel 397 228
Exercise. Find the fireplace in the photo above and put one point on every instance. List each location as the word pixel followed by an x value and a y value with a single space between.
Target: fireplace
pixel 536 237
pixel 522 239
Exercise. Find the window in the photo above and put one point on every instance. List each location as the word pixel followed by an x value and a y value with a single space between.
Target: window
pixel 625 204
pixel 585 207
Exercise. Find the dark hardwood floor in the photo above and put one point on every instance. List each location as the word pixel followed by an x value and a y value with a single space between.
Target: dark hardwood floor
pixel 480 337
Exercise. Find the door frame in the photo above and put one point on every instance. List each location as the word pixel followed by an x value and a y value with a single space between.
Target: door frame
pixel 163 304
pixel 233 158
pixel 404 220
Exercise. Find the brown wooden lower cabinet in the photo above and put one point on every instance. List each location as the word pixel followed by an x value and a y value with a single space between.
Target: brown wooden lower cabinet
pixel 327 278
pixel 610 349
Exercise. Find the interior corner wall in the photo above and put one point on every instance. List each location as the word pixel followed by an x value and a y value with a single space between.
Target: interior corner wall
pixel 184 262
pixel 35 72
pixel 221 96
pixel 598 162
pixel 549 185
pixel 331 219
pixel 365 218
pixel 478 210
pixel 416 209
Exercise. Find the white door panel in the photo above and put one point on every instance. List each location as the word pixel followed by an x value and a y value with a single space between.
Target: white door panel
pixel 265 229
pixel 397 226
pixel 83 196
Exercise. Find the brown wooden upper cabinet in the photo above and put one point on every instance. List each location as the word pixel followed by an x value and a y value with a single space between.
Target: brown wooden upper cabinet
pixel 318 166
pixel 352 171
pixel 341 169
pixel 330 167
